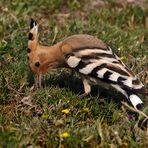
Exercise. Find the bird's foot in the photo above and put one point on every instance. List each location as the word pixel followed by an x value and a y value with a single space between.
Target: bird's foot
pixel 83 95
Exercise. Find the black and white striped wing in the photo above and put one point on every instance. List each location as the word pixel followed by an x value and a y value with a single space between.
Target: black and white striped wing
pixel 104 65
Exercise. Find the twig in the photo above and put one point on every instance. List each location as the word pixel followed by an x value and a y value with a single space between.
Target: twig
pixel 55 34
pixel 135 110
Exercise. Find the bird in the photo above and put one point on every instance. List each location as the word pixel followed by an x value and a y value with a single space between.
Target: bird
pixel 91 58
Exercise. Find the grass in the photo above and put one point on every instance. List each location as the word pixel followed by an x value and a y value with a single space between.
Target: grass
pixel 37 117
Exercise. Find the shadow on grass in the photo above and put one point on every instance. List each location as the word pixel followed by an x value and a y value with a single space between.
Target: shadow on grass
pixel 74 83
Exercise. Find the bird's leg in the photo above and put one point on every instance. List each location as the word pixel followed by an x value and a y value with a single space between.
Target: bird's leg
pixel 87 88
pixel 38 81
pixel 44 81
pixel 98 93
pixel 72 72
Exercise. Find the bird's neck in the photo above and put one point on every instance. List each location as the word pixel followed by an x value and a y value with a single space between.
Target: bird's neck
pixel 51 56
pixel 58 55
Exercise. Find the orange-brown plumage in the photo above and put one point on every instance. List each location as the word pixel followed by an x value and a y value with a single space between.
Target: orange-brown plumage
pixel 45 58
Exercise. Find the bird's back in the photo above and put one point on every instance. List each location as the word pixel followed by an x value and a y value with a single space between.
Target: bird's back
pixel 90 56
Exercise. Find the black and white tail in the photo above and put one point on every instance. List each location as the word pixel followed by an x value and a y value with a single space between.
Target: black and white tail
pixel 136 101
pixel 131 97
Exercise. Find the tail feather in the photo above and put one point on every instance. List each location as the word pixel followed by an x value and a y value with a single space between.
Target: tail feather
pixel 136 101
pixel 131 96
pixel 142 90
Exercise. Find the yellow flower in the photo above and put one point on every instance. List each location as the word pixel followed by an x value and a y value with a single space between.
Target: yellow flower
pixel 123 58
pixel 45 116
pixel 86 109
pixel 124 145
pixel 64 135
pixel 11 128
pixel 66 111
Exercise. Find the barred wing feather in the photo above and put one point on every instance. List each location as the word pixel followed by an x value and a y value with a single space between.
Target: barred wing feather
pixel 104 65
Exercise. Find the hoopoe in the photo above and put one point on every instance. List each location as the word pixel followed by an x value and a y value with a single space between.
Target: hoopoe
pixel 90 57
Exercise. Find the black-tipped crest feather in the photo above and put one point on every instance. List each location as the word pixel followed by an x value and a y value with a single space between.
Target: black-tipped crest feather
pixel 32 23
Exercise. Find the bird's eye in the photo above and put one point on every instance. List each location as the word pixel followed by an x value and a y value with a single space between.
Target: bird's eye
pixel 37 64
